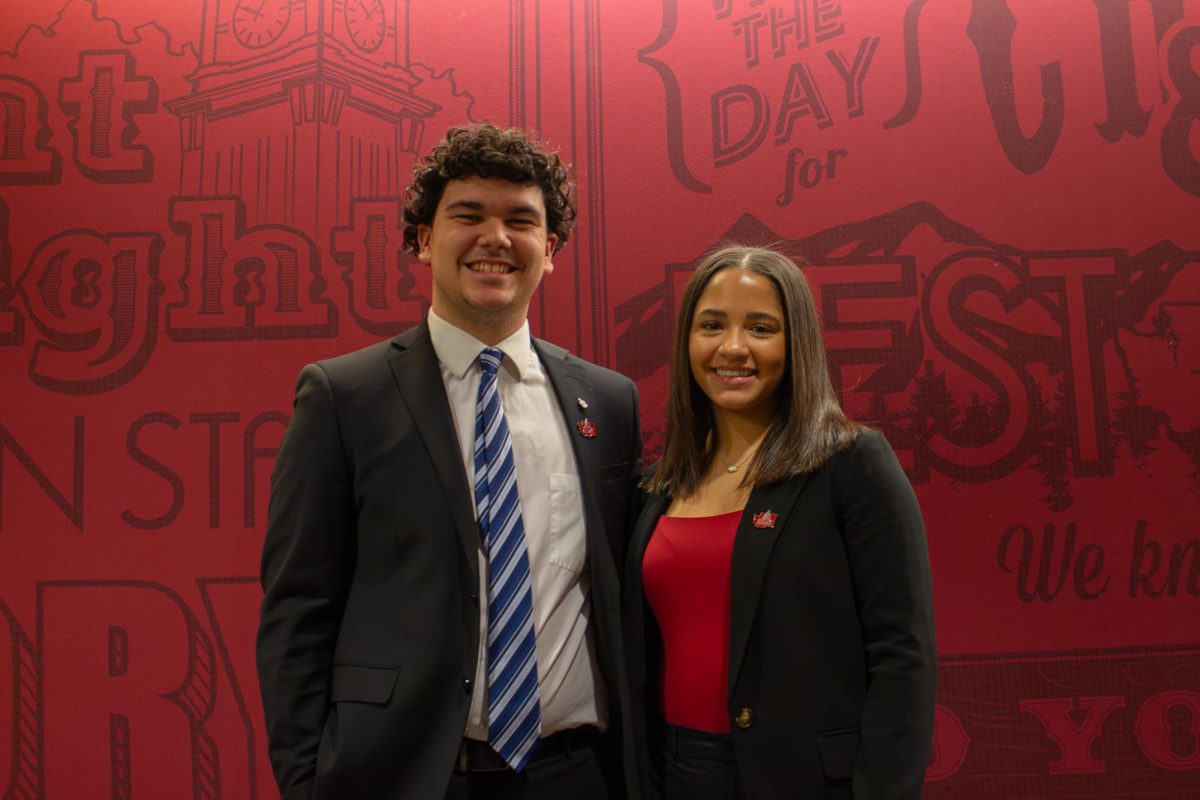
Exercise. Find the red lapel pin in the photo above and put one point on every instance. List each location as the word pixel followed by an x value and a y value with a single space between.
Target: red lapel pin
pixel 587 429
pixel 765 519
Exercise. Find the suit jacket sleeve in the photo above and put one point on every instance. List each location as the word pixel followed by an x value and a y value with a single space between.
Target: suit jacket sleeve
pixel 885 545
pixel 307 563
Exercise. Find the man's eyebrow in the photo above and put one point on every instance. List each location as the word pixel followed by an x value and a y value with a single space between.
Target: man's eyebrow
pixel 521 209
pixel 473 205
pixel 525 209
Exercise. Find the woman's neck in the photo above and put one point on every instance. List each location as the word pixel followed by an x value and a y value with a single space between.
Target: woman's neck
pixel 723 487
pixel 736 434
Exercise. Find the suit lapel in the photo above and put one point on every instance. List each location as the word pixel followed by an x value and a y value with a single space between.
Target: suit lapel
pixel 752 545
pixel 415 367
pixel 570 385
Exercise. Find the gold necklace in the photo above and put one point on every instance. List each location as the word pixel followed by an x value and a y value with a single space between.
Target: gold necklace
pixel 738 465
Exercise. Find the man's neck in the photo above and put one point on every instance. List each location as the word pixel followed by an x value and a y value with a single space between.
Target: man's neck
pixel 490 332
pixel 491 335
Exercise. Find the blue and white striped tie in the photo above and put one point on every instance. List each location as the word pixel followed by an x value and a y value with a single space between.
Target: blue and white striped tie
pixel 514 710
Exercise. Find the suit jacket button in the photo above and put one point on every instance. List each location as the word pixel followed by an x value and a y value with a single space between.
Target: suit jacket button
pixel 744 718
pixel 466 685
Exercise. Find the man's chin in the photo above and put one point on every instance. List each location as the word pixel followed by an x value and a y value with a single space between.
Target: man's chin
pixel 492 303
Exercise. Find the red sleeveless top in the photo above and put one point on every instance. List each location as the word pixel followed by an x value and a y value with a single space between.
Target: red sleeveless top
pixel 685 574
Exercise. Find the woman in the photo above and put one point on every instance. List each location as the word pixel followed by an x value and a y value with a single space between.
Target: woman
pixel 778 614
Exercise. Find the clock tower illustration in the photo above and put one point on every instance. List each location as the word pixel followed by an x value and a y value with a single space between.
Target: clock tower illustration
pixel 299 107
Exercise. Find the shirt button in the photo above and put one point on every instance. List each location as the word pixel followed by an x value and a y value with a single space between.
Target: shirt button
pixel 744 718
pixel 466 685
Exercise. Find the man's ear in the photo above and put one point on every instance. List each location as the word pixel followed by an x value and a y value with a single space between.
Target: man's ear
pixel 551 243
pixel 424 255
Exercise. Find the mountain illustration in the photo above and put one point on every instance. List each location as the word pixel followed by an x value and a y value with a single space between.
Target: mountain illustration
pixel 1029 332
pixel 75 14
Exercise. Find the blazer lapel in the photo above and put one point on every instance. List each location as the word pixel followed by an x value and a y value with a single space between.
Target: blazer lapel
pixel 634 597
pixel 755 538
pixel 419 378
pixel 655 506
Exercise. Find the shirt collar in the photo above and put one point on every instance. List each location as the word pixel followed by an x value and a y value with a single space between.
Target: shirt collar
pixel 459 350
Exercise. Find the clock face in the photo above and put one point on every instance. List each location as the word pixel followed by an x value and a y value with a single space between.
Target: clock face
pixel 366 23
pixel 257 23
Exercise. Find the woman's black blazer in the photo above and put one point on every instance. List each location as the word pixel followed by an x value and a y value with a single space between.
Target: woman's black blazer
pixel 831 653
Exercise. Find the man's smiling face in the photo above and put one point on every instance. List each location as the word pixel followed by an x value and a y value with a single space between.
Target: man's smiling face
pixel 488 248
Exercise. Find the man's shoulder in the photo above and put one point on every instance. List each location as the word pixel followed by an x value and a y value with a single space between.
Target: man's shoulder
pixel 594 372
pixel 370 358
pixel 371 352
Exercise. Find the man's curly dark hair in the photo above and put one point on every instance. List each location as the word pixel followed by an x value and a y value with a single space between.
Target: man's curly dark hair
pixel 486 151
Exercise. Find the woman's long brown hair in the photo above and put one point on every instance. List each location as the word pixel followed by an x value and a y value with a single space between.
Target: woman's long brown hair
pixel 809 425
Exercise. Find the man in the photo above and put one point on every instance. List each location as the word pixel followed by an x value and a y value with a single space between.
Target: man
pixel 448 510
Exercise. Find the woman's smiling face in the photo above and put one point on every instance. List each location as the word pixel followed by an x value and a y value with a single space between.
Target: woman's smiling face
pixel 737 346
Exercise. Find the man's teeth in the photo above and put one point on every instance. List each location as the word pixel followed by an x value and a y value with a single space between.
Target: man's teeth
pixel 483 266
pixel 734 373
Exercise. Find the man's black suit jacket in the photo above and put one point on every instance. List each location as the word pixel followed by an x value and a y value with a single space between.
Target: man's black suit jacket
pixel 369 629
pixel 831 647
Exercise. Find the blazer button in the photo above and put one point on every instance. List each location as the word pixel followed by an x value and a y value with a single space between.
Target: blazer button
pixel 744 718
pixel 466 685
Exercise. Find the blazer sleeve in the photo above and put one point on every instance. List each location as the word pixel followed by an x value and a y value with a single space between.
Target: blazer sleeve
pixel 307 564
pixel 885 544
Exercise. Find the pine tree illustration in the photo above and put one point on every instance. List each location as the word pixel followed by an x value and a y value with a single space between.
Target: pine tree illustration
pixel 1189 443
pixel 931 407
pixel 892 424
pixel 1135 424
pixel 1164 329
pixel 1051 459
pixel 980 423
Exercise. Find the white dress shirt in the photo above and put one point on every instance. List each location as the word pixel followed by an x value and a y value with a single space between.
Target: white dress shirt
pixel 572 690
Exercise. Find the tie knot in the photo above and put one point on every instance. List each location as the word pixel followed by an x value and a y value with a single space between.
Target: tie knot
pixel 489 360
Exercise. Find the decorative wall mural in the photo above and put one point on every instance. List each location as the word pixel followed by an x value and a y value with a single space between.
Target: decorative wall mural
pixel 998 204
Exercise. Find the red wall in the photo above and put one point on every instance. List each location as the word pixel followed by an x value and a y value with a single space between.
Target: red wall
pixel 1000 202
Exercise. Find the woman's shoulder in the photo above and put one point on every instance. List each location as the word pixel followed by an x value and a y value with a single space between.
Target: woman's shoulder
pixel 867 450
pixel 868 440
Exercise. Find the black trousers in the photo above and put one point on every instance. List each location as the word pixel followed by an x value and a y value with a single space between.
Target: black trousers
pixel 698 765
pixel 573 773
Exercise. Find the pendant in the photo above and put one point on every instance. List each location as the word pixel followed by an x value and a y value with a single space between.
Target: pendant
pixel 734 468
